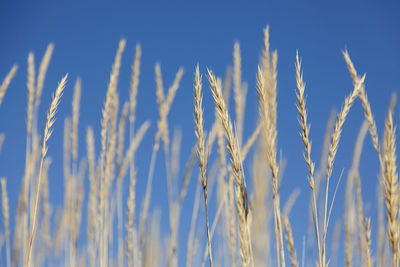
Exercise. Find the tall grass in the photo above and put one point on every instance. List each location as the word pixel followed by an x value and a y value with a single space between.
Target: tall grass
pixel 237 228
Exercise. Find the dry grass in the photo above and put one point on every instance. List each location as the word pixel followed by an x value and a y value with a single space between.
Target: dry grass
pixel 241 233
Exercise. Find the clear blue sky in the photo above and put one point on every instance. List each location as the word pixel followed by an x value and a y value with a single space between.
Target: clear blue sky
pixel 184 33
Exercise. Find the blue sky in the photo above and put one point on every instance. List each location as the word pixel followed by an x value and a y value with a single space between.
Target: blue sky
pixel 184 33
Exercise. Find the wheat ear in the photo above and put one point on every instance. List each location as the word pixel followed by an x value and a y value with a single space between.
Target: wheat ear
pixel 354 174
pixel 233 149
pixel 134 84
pixel 391 186
pixel 364 100
pixel 47 133
pixel 2 137
pixel 106 163
pixel 198 110
pixel 44 64
pixel 305 133
pixel 75 120
pixel 289 238
pixel 367 231
pixel 267 94
pixel 31 93
pixel 267 109
pixel 131 230
pixel 6 82
pixel 341 117
pixel 92 201
pixel 239 94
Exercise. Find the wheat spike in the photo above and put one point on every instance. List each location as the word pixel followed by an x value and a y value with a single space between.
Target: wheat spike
pixel 198 110
pixel 6 82
pixel 391 186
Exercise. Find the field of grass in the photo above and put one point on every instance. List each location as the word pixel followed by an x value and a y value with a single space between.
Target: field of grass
pixel 245 223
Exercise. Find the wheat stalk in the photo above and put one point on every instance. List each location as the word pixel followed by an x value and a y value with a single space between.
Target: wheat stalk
pixel 301 108
pixel 6 218
pixel 46 206
pixel 341 117
pixel 106 163
pixel 191 242
pixel 164 106
pixel 354 174
pixel 250 142
pixel 47 133
pixel 132 148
